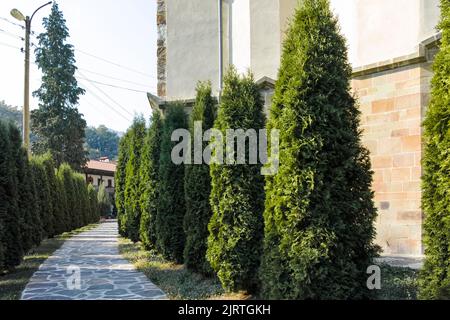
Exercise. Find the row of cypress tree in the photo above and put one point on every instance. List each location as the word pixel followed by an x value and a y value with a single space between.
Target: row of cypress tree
pixel 36 200
pixel 306 232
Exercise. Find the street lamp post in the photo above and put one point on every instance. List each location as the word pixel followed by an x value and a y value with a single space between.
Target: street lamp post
pixel 26 104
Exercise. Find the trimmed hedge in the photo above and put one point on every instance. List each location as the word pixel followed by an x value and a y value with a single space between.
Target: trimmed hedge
pixel 319 211
pixel 434 280
pixel 132 219
pixel 197 189
pixel 149 182
pixel 237 194
pixel 34 204
pixel 171 206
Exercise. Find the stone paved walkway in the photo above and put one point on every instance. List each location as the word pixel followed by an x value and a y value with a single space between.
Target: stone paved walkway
pixel 104 273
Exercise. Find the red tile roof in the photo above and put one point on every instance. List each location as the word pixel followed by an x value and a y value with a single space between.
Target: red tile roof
pixel 103 166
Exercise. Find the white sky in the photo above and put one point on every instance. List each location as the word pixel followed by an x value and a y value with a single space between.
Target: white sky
pixel 122 31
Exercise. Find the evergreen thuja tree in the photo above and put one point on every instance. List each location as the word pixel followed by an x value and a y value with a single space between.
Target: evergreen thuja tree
pixel 65 175
pixel 57 124
pixel 171 205
pixel 197 188
pixel 57 205
pixel 237 194
pixel 104 203
pixel 131 192
pixel 93 204
pixel 319 210
pixel 148 177
pixel 120 180
pixel 434 278
pixel 9 213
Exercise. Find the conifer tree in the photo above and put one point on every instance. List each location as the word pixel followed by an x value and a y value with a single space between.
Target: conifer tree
pixel 319 210
pixel 57 205
pixel 197 188
pixel 65 175
pixel 237 194
pixel 434 278
pixel 58 125
pixel 120 180
pixel 148 177
pixel 104 203
pixel 131 193
pixel 93 204
pixel 9 214
pixel 171 205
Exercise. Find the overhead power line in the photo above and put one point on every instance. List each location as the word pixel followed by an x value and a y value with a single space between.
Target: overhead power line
pixel 9 45
pixel 105 94
pixel 104 102
pixel 114 78
pixel 12 23
pixel 115 64
pixel 12 34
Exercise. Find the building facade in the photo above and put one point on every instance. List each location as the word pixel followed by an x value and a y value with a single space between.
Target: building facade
pixel 391 48
pixel 101 172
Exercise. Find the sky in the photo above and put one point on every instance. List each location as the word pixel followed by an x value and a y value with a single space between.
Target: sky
pixel 121 32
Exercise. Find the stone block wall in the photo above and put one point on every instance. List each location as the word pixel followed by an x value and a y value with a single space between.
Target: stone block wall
pixel 393 105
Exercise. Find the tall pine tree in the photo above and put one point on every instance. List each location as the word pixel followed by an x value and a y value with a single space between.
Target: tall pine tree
pixel 319 212
pixel 57 124
pixel 435 275
pixel 148 176
pixel 197 188
pixel 171 205
pixel 237 194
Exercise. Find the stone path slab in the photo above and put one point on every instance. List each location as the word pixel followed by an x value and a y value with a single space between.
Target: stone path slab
pixel 89 267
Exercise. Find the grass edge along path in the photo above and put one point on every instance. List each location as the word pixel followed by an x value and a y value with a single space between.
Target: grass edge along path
pixel 12 284
pixel 174 279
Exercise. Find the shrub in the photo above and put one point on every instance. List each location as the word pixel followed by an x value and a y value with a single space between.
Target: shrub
pixel 197 189
pixel 43 197
pixel 319 213
pixel 65 175
pixel 120 179
pixel 104 203
pixel 9 214
pixel 131 193
pixel 148 177
pixel 93 204
pixel 237 194
pixel 171 205
pixel 434 279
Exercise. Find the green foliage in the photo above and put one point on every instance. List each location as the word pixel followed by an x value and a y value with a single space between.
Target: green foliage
pixel 58 125
pixel 65 175
pixel 197 189
pixel 9 214
pixel 148 177
pixel 319 213
pixel 171 205
pixel 104 203
pixel 94 207
pixel 43 199
pixel 102 142
pixel 237 194
pixel 435 276
pixel 131 192
pixel 120 180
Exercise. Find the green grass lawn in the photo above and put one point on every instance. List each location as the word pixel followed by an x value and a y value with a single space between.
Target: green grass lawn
pixel 13 283
pixel 175 280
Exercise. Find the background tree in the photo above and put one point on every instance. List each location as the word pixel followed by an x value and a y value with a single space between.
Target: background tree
pixel 435 276
pixel 102 142
pixel 171 205
pixel 104 203
pixel 57 124
pixel 93 204
pixel 237 195
pixel 319 212
pixel 131 193
pixel 148 177
pixel 11 113
pixel 9 213
pixel 197 188
pixel 120 180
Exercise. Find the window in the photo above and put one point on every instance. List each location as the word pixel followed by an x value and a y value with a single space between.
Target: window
pixel 109 183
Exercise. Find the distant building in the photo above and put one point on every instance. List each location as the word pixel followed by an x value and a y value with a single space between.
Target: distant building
pixel 101 171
